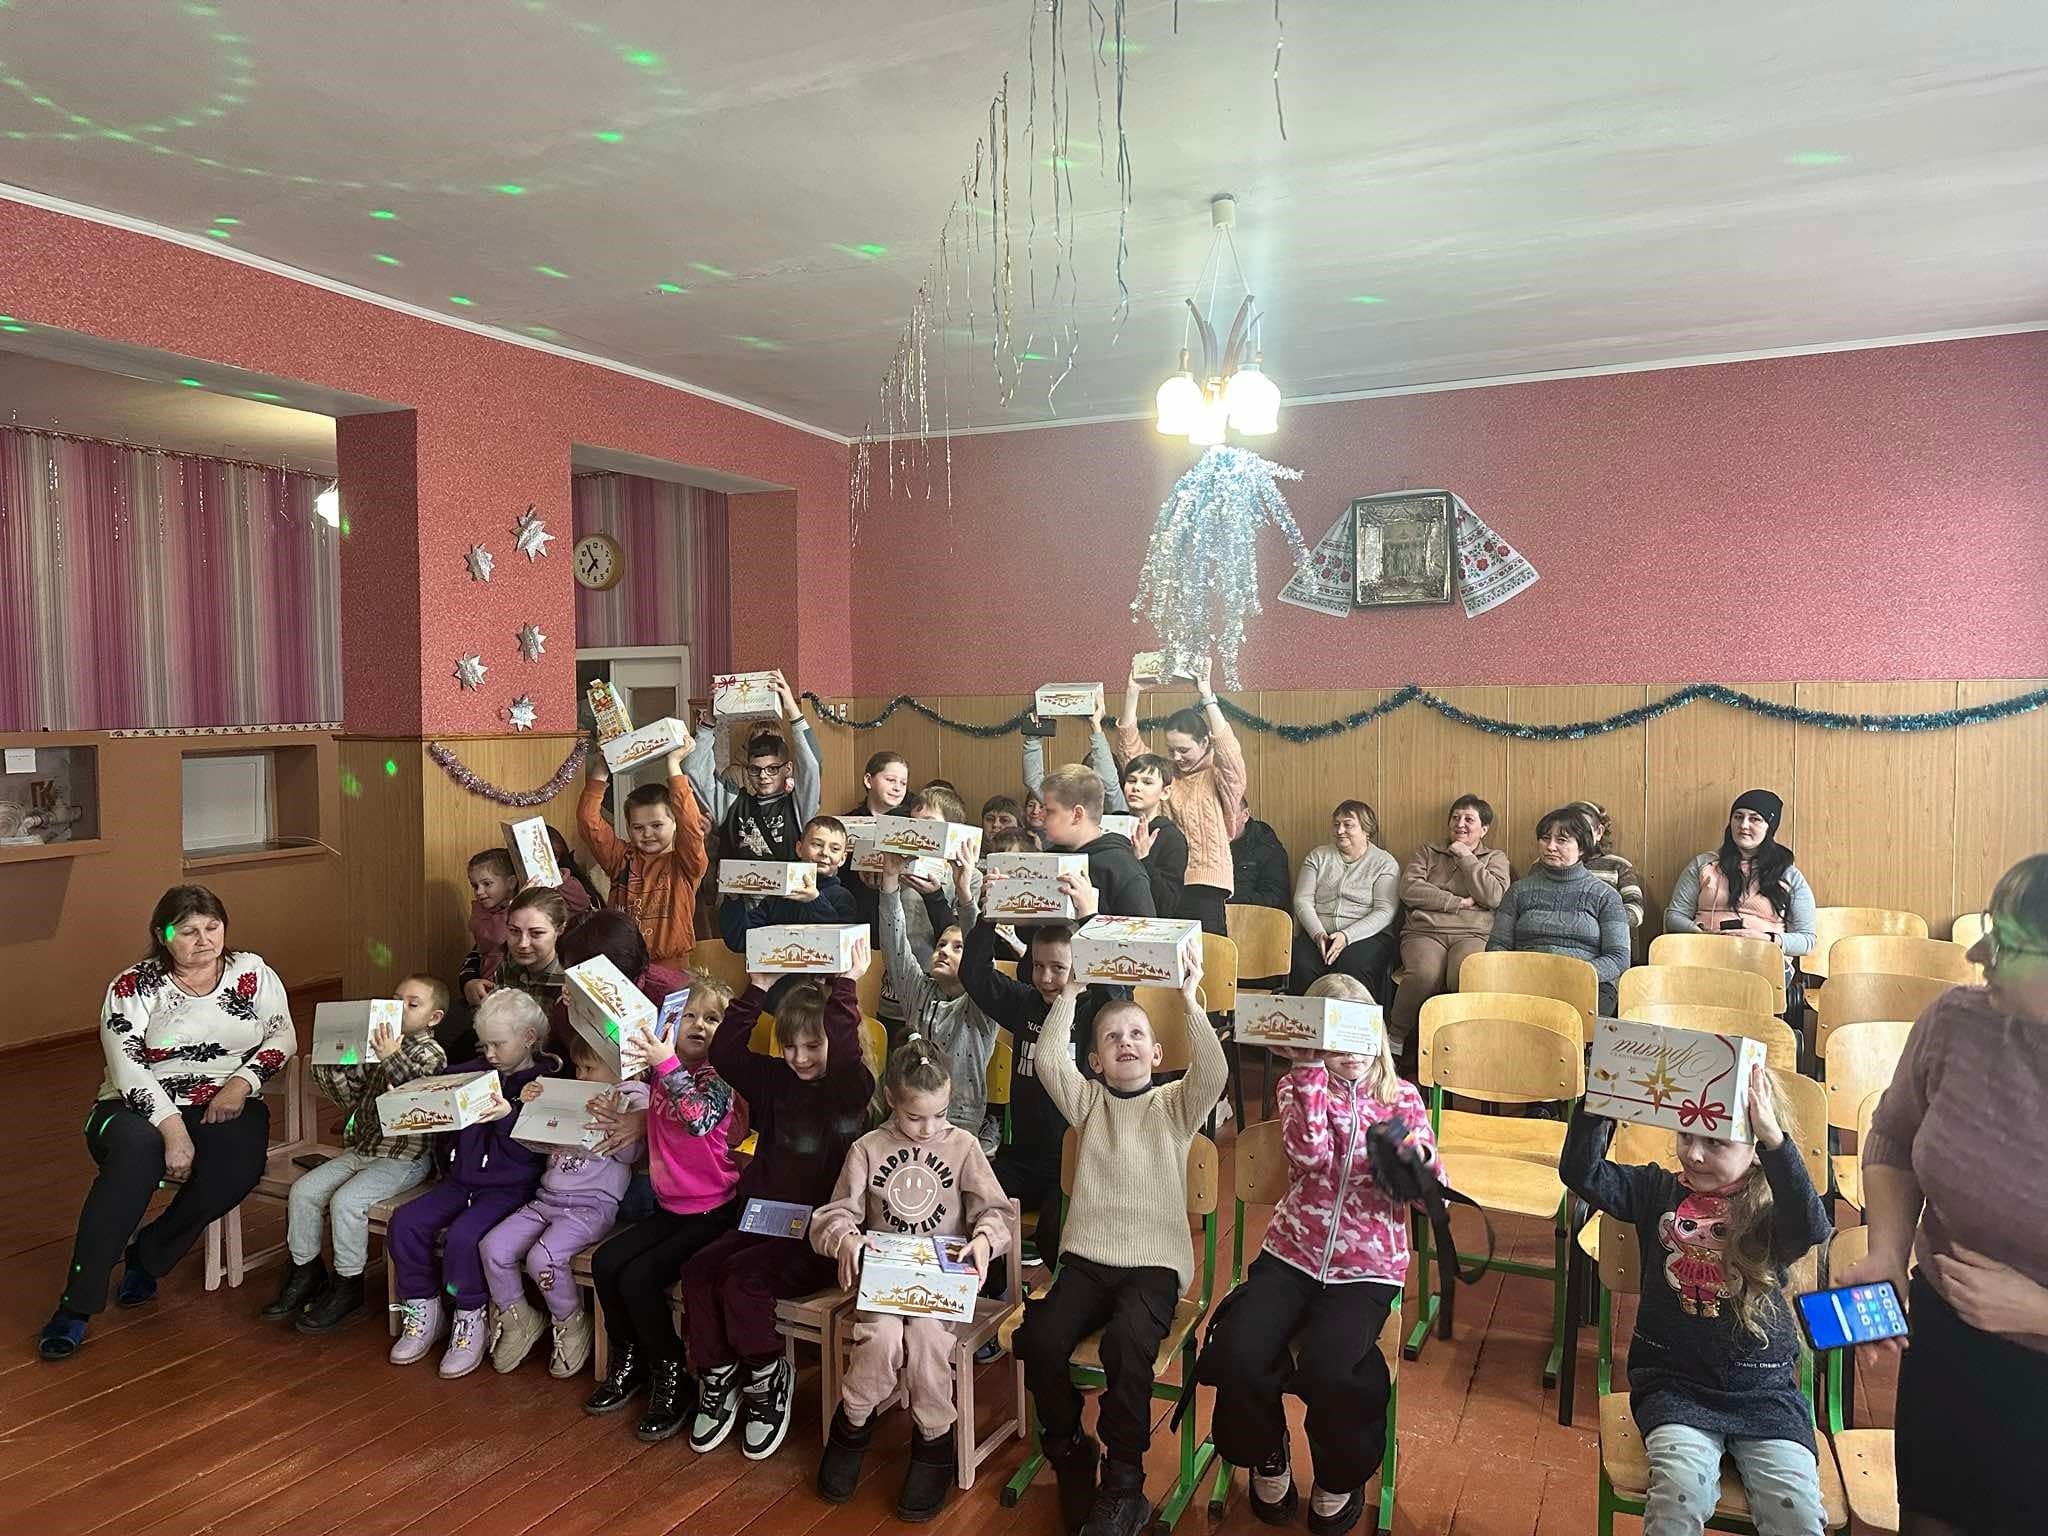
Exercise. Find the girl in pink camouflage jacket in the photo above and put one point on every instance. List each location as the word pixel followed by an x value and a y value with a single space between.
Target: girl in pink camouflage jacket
pixel 1334 1261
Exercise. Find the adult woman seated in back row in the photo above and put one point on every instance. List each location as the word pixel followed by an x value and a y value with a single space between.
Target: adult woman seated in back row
pixel 1344 901
pixel 1749 887
pixel 1450 890
pixel 1562 908
pixel 191 1033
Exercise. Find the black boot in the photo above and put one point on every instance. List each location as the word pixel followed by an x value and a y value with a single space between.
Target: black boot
pixel 1281 1510
pixel 839 1467
pixel 1075 1463
pixel 628 1375
pixel 302 1282
pixel 1120 1507
pixel 337 1304
pixel 671 1399
pixel 929 1476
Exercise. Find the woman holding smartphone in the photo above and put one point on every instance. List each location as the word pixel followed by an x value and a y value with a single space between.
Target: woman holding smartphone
pixel 1956 1170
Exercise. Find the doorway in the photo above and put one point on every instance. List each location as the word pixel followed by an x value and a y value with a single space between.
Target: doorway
pixel 652 681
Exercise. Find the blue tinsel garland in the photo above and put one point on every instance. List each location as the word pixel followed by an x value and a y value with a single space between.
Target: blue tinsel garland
pixel 1733 698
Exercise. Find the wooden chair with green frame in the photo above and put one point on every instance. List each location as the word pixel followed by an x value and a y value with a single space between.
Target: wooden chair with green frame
pixel 1188 1312
pixel 1259 1174
pixel 1624 1459
pixel 1502 1048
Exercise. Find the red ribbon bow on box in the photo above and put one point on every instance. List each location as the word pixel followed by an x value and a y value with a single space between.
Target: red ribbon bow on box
pixel 1708 1114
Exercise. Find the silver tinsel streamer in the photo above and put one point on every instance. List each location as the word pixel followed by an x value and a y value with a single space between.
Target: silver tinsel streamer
pixel 1201 576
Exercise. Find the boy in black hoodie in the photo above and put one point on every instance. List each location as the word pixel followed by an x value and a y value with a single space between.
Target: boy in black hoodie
pixel 1073 824
pixel 824 844
pixel 1158 843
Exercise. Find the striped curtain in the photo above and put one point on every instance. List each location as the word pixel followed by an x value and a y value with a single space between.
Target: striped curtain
pixel 674 591
pixel 140 588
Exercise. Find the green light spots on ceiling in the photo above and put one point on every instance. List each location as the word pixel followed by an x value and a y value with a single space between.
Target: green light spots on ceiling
pixel 759 343
pixel 229 37
pixel 709 270
pixel 1816 157
pixel 387 259
pixel 641 58
pixel 382 213
pixel 221 234
pixel 866 252
pixel 13 329
pixel 546 333
pixel 511 189
pixel 456 298
pixel 1061 162
pixel 228 222
pixel 1031 357
pixel 201 10
pixel 263 394
pixel 670 288
pixel 550 271
pixel 1367 298
pixel 608 136
pixel 192 383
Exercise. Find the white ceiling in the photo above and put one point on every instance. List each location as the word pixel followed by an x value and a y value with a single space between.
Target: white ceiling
pixel 1525 187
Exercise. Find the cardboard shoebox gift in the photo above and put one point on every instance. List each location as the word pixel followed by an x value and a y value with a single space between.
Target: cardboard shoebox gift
pixel 919 837
pixel 341 1031
pixel 654 740
pixel 1024 899
pixel 445 1103
pixel 533 854
pixel 605 1008
pixel 1138 951
pixel 745 696
pixel 809 949
pixel 1081 699
pixel 608 710
pixel 1034 866
pixel 913 1276
pixel 1682 1079
pixel 560 1115
pixel 1153 667
pixel 1311 1024
pixel 866 859
pixel 1122 826
pixel 767 877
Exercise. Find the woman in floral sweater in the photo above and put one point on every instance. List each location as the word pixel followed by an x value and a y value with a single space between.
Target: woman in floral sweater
pixel 191 1033
pixel 1333 1264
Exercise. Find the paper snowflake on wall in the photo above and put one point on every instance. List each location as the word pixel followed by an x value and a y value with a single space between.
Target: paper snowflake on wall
pixel 531 535
pixel 479 562
pixel 470 670
pixel 521 713
pixel 531 642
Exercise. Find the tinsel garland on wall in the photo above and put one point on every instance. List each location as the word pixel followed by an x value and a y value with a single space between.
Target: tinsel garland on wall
pixel 476 784
pixel 1714 693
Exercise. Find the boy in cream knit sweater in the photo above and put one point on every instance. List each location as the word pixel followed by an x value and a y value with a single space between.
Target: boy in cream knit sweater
pixel 1126 1257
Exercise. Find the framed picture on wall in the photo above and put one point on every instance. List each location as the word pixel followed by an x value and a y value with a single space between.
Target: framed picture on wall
pixel 1404 549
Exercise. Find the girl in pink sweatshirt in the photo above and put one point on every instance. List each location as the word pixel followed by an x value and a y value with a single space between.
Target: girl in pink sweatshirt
pixel 1333 1264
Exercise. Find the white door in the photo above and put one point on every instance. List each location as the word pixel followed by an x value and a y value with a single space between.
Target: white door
pixel 652 682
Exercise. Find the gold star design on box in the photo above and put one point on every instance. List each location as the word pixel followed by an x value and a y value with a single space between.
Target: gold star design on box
pixel 1660 1084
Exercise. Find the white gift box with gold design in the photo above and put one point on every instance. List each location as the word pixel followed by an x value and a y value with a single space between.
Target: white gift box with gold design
pixel 1311 1024
pixel 1082 699
pixel 809 949
pixel 609 710
pixel 919 837
pixel 1024 899
pixel 739 696
pixel 341 1031
pixel 1138 951
pixel 446 1103
pixel 913 1276
pixel 1034 866
pixel 650 742
pixel 560 1115
pixel 533 855
pixel 1153 667
pixel 867 856
pixel 1681 1079
pixel 1122 826
pixel 767 877
pixel 605 1008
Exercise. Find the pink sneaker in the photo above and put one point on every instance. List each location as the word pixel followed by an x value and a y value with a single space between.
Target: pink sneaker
pixel 468 1341
pixel 419 1325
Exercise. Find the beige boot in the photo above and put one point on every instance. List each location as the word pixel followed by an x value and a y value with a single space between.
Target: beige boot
pixel 572 1344
pixel 518 1328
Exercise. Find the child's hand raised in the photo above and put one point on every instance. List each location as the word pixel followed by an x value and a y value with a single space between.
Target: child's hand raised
pixel 851 1247
pixel 595 767
pixel 1301 1056
pixel 761 979
pixel 530 1092
pixel 383 1042
pixel 1763 1109
pixel 1086 902
pixel 1202 668
pixel 892 871
pixel 1191 988
pixel 1143 837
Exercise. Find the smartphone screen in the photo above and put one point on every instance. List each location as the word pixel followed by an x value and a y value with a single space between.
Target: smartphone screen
pixel 1852 1314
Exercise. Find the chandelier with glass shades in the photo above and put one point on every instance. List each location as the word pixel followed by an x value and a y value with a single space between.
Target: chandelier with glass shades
pixel 1228 394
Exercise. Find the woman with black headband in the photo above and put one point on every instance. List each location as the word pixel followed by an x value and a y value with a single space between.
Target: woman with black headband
pixel 1749 887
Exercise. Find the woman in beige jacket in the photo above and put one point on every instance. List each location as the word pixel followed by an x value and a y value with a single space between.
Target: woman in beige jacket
pixel 1205 799
pixel 1450 890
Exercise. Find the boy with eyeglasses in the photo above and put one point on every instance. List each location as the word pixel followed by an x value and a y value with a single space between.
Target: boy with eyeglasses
pixel 762 807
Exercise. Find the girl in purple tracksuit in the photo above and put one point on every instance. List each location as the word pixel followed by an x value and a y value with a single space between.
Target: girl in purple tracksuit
pixel 576 1206
pixel 485 1177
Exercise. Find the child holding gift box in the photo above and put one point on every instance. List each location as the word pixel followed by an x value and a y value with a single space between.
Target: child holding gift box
pixel 1206 798
pixel 808 1105
pixel 824 844
pixel 1333 1265
pixel 1714 1365
pixel 923 920
pixel 693 1122
pixel 575 1206
pixel 936 1005
pixel 654 873
pixel 760 810
pixel 1126 1255
pixel 485 1177
pixel 375 1167
pixel 1073 824
pixel 920 1174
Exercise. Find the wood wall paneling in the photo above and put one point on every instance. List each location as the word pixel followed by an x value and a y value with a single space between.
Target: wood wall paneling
pixel 383 868
pixel 985 766
pixel 1699 759
pixel 1543 775
pixel 1429 762
pixel 1293 786
pixel 1877 813
pixel 2001 793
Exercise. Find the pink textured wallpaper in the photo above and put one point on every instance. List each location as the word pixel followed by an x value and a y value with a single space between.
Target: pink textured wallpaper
pixel 1852 516
pixel 495 427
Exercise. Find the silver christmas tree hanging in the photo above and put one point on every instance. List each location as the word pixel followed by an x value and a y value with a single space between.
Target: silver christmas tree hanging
pixel 1201 576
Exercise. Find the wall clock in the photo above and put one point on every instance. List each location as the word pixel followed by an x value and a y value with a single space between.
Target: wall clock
pixel 599 562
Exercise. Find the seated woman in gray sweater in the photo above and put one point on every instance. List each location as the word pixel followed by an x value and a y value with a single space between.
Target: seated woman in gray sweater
pixel 1344 900
pixel 1562 908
